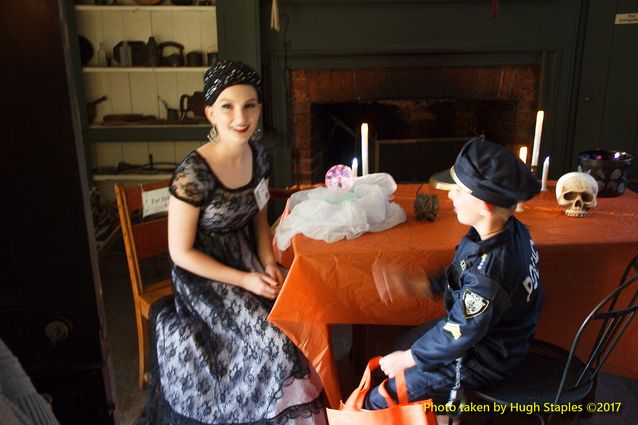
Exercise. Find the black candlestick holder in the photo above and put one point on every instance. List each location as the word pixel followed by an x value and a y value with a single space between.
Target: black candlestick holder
pixel 533 169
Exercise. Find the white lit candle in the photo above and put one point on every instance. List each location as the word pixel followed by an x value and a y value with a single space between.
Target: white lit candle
pixel 537 137
pixel 364 149
pixel 355 167
pixel 522 154
pixel 545 174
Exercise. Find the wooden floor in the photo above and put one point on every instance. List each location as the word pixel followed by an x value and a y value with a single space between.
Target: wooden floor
pixel 131 400
pixel 122 334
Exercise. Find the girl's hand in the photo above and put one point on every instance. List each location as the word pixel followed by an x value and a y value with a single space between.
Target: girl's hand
pixel 274 272
pixel 395 362
pixel 261 284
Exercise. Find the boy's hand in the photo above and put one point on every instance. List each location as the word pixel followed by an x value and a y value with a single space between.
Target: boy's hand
pixel 396 284
pixel 395 362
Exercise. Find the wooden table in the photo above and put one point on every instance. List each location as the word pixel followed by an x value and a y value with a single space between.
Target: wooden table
pixel 581 260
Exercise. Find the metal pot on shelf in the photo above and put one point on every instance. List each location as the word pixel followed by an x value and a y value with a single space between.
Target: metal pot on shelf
pixel 211 56
pixel 194 58
pixel 173 59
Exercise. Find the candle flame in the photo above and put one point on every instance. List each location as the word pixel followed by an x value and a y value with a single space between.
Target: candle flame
pixel 364 129
pixel 522 154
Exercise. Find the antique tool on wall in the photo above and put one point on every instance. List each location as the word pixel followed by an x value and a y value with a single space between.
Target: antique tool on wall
pixel 172 115
pixel 91 108
pixel 193 103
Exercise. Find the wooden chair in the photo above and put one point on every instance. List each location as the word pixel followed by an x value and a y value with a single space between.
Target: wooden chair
pixel 143 239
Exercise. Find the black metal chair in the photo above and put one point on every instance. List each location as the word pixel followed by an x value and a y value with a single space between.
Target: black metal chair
pixel 551 377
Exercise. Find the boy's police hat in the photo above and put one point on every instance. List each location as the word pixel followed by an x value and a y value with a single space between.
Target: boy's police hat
pixel 490 172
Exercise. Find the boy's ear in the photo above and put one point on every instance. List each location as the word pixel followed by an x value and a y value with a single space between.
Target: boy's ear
pixel 485 208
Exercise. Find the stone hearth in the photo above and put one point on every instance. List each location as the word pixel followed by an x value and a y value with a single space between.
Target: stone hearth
pixel 498 100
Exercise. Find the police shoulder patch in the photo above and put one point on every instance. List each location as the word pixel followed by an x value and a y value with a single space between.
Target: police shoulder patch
pixel 473 304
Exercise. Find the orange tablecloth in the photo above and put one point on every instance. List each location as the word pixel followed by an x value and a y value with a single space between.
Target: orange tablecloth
pixel 581 260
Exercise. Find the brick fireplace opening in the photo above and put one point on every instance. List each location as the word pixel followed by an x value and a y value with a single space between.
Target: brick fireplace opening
pixel 419 117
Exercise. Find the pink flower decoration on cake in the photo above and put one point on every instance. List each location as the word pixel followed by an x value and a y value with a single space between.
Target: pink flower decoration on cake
pixel 339 177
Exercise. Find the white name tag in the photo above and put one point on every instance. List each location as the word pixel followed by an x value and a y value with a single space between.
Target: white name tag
pixel 155 201
pixel 261 194
pixel 626 18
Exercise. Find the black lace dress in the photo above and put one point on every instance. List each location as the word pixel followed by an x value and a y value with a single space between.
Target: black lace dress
pixel 215 357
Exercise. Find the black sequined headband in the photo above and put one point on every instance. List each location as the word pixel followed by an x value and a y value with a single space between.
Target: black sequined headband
pixel 228 73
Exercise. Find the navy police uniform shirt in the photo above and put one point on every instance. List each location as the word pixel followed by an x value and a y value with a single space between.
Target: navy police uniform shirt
pixel 493 298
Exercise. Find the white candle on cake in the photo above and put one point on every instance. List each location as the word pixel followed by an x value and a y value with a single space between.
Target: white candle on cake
pixel 364 149
pixel 355 167
pixel 545 174
pixel 522 154
pixel 540 115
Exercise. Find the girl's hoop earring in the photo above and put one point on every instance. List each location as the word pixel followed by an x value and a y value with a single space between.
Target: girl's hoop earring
pixel 213 135
pixel 257 135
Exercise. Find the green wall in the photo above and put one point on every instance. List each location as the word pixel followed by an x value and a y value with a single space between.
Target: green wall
pixel 587 56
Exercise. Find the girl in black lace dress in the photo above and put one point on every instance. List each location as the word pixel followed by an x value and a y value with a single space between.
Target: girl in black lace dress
pixel 217 358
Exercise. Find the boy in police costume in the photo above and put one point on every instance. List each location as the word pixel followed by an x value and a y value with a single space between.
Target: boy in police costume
pixel 492 292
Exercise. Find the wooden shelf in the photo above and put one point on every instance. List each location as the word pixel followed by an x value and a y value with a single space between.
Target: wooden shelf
pixel 137 133
pixel 163 8
pixel 140 88
pixel 122 69
pixel 166 126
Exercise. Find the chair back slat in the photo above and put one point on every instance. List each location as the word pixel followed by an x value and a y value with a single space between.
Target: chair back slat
pixel 141 240
pixel 621 327
pixel 134 194
pixel 151 238
pixel 614 320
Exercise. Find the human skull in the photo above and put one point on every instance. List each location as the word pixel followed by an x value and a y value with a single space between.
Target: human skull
pixel 576 193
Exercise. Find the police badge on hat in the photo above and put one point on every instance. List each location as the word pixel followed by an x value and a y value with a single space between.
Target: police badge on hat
pixel 473 304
